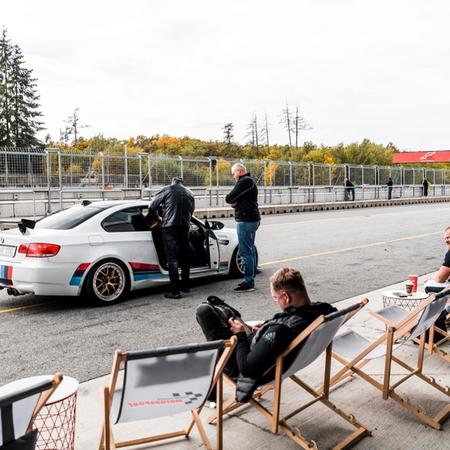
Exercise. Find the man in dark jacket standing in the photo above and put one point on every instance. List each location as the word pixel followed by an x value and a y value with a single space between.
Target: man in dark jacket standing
pixel 244 199
pixel 178 204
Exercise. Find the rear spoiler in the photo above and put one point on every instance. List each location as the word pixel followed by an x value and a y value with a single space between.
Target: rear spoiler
pixel 23 224
pixel 26 223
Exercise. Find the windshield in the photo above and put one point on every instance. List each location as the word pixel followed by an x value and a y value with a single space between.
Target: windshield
pixel 69 218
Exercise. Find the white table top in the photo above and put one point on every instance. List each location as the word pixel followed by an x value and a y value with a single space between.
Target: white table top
pixel 419 295
pixel 66 388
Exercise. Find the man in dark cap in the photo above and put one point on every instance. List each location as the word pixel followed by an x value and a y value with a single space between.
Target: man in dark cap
pixel 177 204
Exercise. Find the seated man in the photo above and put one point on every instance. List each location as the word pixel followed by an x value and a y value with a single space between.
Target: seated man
pixel 440 279
pixel 256 353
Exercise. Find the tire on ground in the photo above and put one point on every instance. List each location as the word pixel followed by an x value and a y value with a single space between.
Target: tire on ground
pixel 107 283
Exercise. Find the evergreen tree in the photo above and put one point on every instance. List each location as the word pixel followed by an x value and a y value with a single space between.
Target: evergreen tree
pixel 19 112
pixel 5 88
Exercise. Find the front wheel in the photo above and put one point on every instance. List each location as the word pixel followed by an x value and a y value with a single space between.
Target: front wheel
pixel 107 283
pixel 237 268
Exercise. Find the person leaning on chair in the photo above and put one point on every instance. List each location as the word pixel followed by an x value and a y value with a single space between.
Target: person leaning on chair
pixel 244 199
pixel 256 354
pixel 178 205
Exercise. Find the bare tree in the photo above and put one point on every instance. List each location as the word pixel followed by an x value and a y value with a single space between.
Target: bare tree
pixel 286 120
pixel 300 123
pixel 266 130
pixel 254 134
pixel 73 125
pixel 228 132
pixel 293 124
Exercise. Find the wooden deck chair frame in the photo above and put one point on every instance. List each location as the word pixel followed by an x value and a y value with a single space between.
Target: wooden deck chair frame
pixel 46 388
pixel 393 334
pixel 434 348
pixel 107 441
pixel 280 423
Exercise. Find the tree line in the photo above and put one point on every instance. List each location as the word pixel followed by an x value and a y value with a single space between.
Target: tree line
pixel 21 121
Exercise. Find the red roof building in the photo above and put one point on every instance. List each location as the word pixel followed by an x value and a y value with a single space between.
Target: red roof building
pixel 438 156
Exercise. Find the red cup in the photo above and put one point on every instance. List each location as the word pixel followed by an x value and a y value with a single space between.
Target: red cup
pixel 414 279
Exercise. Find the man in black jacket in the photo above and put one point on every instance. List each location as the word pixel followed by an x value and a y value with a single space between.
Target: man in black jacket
pixel 256 353
pixel 178 204
pixel 244 199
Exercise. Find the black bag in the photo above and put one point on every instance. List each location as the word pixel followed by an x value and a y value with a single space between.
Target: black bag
pixel 226 312
pixel 26 442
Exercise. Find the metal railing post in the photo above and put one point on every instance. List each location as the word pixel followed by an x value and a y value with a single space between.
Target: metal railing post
pixel 102 169
pixel 49 208
pixel 60 180
pixel 141 187
pixel 125 179
pixel 181 167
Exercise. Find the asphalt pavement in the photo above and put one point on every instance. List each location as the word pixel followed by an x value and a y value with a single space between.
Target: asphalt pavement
pixel 340 253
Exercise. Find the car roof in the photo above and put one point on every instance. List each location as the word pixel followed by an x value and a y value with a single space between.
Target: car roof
pixel 104 204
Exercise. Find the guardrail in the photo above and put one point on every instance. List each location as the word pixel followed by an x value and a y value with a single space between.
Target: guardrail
pixel 40 202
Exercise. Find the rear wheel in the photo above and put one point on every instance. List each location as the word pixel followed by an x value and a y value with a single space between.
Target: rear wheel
pixel 107 283
pixel 237 268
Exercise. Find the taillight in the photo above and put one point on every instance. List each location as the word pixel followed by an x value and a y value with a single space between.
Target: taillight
pixel 39 250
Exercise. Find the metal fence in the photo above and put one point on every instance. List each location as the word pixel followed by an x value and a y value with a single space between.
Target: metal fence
pixel 53 168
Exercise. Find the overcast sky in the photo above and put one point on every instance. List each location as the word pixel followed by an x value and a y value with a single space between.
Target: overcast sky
pixel 356 69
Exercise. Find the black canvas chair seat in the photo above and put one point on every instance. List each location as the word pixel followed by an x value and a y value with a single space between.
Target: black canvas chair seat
pixel 20 402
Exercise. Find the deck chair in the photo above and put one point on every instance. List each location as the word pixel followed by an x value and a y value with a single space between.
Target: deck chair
pixel 20 402
pixel 164 382
pixel 394 314
pixel 308 345
pixel 355 351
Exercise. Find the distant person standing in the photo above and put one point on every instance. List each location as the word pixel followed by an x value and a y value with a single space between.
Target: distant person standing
pixel 425 185
pixel 244 199
pixel 389 188
pixel 349 189
pixel 178 204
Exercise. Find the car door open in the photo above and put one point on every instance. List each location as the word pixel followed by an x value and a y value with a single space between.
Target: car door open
pixel 213 250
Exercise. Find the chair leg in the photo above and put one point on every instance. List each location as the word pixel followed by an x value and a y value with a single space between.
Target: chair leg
pixel 388 363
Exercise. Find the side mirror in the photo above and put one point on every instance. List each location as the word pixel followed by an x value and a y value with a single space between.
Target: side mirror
pixel 216 225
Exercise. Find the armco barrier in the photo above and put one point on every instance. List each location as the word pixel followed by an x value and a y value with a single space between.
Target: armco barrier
pixel 226 212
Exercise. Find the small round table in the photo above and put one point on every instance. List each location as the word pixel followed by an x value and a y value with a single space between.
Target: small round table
pixel 56 419
pixel 405 301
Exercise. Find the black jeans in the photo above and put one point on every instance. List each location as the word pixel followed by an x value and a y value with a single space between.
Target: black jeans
pixel 176 246
pixel 215 328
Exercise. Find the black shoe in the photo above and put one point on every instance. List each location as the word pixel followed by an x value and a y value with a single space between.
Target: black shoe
pixel 258 271
pixel 244 287
pixel 172 295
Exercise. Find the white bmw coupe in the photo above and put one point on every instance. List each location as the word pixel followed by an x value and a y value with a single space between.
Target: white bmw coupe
pixel 103 250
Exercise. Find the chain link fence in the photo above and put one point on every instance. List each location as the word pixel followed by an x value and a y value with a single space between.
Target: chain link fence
pixel 52 168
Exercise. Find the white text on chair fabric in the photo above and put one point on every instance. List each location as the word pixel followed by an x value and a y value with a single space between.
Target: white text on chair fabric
pixel 158 386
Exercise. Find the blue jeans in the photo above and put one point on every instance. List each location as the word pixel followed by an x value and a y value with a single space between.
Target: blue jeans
pixel 246 232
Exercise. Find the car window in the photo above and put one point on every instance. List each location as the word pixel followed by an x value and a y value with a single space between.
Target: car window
pixel 130 219
pixel 69 218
